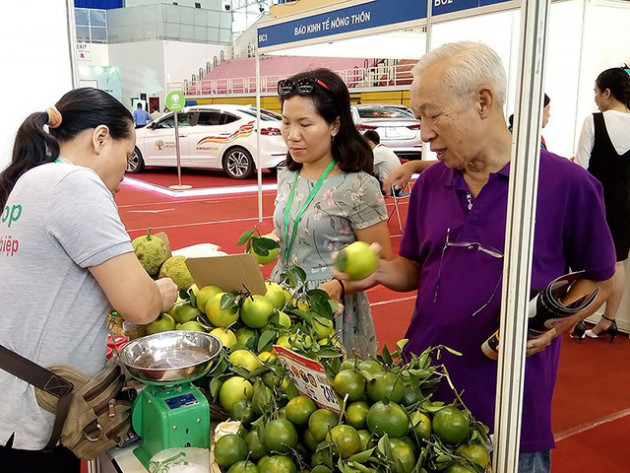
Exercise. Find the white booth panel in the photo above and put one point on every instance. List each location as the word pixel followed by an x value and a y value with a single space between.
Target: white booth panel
pixel 35 62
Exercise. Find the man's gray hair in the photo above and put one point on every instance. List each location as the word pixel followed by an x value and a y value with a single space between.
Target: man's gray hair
pixel 469 66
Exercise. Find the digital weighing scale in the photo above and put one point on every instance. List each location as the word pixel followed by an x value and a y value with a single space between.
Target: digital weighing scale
pixel 170 412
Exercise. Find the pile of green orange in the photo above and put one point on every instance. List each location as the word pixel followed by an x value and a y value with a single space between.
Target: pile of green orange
pixel 249 326
pixel 388 422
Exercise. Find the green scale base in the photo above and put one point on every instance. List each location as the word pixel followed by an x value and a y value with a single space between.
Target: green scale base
pixel 170 417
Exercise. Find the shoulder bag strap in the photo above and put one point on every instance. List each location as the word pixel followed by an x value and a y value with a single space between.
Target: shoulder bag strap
pixel 44 379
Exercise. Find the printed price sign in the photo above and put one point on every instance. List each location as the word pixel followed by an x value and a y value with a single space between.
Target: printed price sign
pixel 309 377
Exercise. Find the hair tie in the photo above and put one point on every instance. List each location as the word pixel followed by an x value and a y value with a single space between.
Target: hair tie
pixel 54 117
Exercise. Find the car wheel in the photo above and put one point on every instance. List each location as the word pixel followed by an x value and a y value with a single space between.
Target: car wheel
pixel 135 164
pixel 238 163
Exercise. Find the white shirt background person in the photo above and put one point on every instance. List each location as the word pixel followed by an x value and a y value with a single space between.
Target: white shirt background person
pixel 385 160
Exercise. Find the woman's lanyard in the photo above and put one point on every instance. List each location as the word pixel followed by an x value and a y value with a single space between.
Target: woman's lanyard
pixel 287 210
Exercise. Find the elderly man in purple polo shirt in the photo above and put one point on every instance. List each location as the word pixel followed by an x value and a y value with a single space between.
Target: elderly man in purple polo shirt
pixel 452 249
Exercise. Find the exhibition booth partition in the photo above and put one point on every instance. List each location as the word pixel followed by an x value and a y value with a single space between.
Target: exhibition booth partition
pixel 557 48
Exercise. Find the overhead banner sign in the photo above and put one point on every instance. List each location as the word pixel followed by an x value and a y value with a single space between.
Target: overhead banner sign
pixel 442 7
pixel 355 18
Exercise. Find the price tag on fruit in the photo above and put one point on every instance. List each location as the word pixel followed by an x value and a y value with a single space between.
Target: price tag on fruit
pixel 309 377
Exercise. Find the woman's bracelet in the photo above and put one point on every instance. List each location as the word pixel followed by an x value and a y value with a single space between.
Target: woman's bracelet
pixel 343 288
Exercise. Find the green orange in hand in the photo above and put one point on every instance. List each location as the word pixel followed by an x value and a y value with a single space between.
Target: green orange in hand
pixel 357 260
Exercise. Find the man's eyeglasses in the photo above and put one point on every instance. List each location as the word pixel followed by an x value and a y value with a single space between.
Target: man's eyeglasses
pixel 470 245
pixel 302 86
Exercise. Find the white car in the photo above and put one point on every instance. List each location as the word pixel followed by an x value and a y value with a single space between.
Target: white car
pixel 211 137
pixel 395 124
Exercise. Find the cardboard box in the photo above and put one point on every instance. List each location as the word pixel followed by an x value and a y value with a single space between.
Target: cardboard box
pixel 229 272
pixel 164 237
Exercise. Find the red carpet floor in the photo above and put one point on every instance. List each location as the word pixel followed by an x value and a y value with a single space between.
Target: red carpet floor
pixel 592 397
pixel 198 178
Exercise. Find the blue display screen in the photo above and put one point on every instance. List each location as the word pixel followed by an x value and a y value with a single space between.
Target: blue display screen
pixel 181 401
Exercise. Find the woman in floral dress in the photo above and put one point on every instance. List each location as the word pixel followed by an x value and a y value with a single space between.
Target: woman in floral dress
pixel 327 197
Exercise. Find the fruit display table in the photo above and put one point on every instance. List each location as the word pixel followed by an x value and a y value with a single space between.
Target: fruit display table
pixel 307 399
pixel 117 460
pixel 126 461
pixel 120 460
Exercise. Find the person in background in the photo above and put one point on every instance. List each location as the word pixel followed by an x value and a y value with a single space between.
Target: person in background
pixel 155 113
pixel 399 177
pixel 327 197
pixel 604 149
pixel 453 245
pixel 385 160
pixel 70 260
pixel 140 116
pixel 546 113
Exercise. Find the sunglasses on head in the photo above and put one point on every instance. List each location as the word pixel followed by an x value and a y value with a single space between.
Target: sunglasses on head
pixel 301 86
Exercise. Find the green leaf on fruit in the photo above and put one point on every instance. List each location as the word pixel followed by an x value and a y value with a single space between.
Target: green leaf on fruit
pixel 258 371
pixel 259 248
pixel 220 366
pixel 329 353
pixel 237 346
pixel 322 308
pixel 215 386
pixel 318 294
pixel 386 356
pixel 300 273
pixel 401 344
pixel 443 458
pixel 321 469
pixel 227 301
pixel 358 467
pixel 385 447
pixel 433 407
pixel 265 339
pixel 240 371
pixel 420 374
pixel 323 446
pixel 451 351
pixel 367 375
pixel 193 298
pixel 203 322
pixel 267 243
pixel 363 456
pixel 245 237
pixel 302 314
pixel 250 344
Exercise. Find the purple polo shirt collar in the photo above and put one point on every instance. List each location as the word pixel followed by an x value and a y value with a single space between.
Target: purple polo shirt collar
pixel 456 178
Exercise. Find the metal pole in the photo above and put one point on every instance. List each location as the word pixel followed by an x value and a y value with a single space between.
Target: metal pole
pixel 429 19
pixel 258 148
pixel 425 146
pixel 72 43
pixel 519 236
pixel 179 165
pixel 179 186
pixel 580 77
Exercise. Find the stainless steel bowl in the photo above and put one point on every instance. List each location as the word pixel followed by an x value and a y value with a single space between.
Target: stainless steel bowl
pixel 169 357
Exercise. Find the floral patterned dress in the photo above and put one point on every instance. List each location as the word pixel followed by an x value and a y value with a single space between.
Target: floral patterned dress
pixel 345 202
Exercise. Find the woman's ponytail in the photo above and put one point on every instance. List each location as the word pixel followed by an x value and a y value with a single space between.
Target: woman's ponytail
pixel 33 146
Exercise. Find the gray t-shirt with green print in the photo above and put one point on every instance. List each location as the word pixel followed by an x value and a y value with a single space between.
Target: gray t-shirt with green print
pixel 59 220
